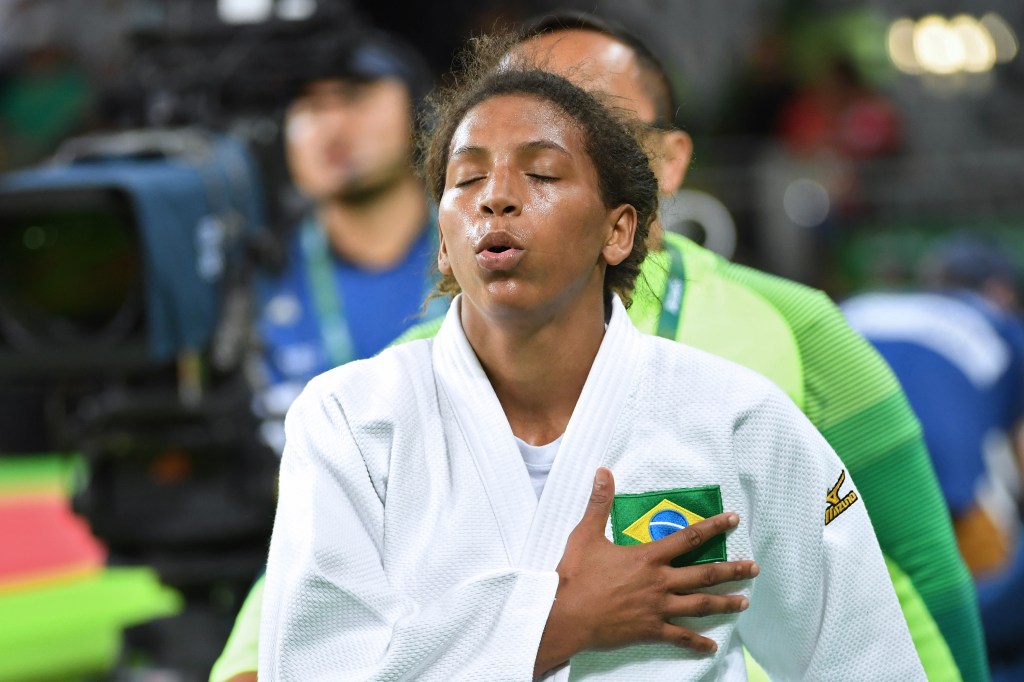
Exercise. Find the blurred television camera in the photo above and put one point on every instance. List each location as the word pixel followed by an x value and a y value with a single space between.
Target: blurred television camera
pixel 126 317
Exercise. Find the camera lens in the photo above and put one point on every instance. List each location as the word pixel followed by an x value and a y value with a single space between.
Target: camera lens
pixel 70 270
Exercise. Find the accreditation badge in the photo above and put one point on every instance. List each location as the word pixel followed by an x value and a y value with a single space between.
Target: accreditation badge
pixel 639 518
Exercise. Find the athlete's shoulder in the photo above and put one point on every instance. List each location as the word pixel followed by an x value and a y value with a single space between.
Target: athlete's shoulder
pixel 424 330
pixel 792 298
pixel 797 302
pixel 386 375
pixel 702 376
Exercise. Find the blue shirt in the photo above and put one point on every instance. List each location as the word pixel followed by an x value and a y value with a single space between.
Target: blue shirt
pixel 377 306
pixel 961 364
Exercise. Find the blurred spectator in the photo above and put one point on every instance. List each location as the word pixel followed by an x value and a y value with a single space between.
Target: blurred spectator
pixel 839 112
pixel 55 57
pixel 826 131
pixel 753 105
pixel 359 264
pixel 45 98
pixel 958 350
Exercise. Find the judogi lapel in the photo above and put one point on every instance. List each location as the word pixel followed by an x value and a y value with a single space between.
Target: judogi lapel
pixel 584 447
pixel 535 534
pixel 467 392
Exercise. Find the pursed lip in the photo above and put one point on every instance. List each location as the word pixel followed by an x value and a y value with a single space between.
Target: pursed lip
pixel 498 251
pixel 498 239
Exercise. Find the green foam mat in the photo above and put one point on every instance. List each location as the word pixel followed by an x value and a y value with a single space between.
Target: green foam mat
pixel 29 473
pixel 74 628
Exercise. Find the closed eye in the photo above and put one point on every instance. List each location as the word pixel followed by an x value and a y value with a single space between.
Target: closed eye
pixel 542 178
pixel 469 181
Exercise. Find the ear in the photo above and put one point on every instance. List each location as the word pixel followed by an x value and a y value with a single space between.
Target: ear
pixel 676 153
pixel 619 243
pixel 443 264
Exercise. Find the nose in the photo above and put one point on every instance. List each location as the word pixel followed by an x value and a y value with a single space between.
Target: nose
pixel 335 120
pixel 500 196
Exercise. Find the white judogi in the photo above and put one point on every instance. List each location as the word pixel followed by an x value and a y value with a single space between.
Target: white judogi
pixel 409 543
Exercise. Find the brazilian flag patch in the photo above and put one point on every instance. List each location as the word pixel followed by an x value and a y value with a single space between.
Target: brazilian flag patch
pixel 639 518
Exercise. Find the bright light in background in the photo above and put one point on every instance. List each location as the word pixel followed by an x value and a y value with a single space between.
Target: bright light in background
pixel 943 46
pixel 806 202
pixel 244 11
pixel 295 10
pixel 1002 37
pixel 901 46
pixel 938 48
pixel 979 48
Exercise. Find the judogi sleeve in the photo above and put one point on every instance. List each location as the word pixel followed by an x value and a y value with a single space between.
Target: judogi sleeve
pixel 329 613
pixel 823 606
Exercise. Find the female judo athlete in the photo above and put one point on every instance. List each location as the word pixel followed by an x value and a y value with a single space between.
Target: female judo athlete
pixel 511 500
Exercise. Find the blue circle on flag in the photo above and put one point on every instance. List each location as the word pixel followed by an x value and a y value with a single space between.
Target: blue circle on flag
pixel 666 522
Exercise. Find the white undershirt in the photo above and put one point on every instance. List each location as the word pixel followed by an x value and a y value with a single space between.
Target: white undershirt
pixel 538 460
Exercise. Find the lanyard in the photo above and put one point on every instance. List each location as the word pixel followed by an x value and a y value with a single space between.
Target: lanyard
pixel 327 299
pixel 672 297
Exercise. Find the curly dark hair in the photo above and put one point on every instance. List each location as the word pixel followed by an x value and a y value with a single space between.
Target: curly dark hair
pixel 612 143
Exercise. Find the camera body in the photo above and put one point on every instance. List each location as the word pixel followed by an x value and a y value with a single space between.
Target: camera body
pixel 127 333
pixel 125 324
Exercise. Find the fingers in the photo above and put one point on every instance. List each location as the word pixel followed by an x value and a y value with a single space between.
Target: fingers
pixel 695 578
pixel 599 506
pixel 685 638
pixel 692 537
pixel 700 605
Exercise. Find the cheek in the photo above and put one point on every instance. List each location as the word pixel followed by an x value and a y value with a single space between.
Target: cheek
pixel 299 129
pixel 306 140
pixel 453 226
pixel 303 163
pixel 384 133
pixel 580 221
pixel 446 214
pixel 455 215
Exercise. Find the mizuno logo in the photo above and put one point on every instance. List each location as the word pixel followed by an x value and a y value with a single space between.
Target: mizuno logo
pixel 837 506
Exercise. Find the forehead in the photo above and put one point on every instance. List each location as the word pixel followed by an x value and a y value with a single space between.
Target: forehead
pixel 594 61
pixel 326 87
pixel 512 120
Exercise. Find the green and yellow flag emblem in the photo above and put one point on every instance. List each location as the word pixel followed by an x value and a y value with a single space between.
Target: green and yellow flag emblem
pixel 644 517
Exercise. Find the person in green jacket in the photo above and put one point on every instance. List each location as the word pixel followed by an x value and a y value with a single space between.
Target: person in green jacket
pixel 790 333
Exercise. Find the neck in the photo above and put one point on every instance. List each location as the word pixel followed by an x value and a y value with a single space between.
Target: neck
pixel 379 231
pixel 537 368
pixel 655 238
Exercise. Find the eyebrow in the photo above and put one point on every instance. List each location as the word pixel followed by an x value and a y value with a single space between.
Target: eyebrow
pixel 534 146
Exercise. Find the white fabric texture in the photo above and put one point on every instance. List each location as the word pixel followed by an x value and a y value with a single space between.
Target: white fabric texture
pixel 538 460
pixel 409 543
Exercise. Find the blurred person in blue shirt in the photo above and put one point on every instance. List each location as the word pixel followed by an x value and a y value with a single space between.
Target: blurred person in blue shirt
pixel 360 264
pixel 957 348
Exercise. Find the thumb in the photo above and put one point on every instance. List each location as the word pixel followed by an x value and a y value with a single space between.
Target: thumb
pixel 599 505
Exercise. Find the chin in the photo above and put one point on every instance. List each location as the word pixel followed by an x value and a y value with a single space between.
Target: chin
pixel 326 191
pixel 501 299
pixel 366 188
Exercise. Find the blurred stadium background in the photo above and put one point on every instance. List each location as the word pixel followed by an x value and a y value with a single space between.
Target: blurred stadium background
pixel 835 140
